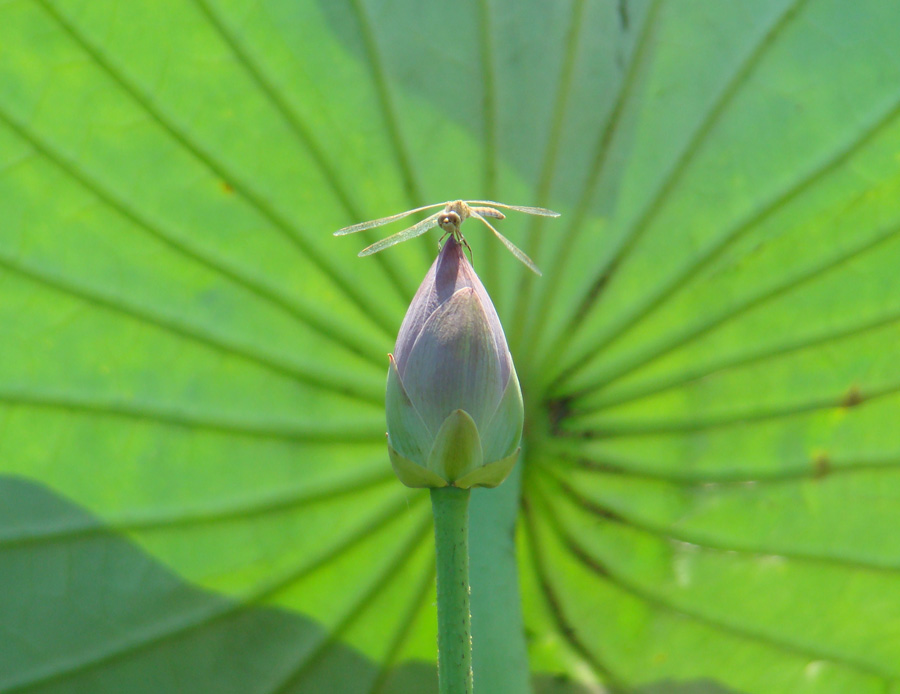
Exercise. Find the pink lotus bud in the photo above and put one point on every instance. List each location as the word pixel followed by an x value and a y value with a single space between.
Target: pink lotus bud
pixel 454 407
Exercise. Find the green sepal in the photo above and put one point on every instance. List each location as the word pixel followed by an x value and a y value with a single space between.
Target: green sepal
pixel 504 430
pixel 457 447
pixel 412 474
pixel 409 434
pixel 489 475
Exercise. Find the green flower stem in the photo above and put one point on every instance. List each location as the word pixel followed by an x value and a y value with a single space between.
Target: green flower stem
pixel 450 506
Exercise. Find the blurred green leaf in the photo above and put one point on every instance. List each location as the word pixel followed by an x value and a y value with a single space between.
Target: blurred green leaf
pixel 196 491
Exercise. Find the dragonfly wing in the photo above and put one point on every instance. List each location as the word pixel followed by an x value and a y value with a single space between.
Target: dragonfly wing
pixel 362 226
pixel 540 211
pixel 520 256
pixel 401 236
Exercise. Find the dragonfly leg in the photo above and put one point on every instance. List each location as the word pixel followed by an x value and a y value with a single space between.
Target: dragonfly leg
pixel 465 243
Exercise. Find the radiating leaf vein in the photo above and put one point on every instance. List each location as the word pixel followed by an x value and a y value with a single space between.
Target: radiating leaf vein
pixel 279 222
pixel 609 573
pixel 303 133
pixel 178 241
pixel 310 374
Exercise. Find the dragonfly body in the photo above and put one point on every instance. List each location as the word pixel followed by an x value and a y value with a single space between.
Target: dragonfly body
pixel 449 220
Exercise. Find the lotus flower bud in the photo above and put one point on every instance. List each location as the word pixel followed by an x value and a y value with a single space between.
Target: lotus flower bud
pixel 454 407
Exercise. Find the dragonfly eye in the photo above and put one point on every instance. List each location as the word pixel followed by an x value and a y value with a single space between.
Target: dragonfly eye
pixel 449 222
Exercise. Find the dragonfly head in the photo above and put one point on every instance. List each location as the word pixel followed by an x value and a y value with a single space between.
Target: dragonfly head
pixel 449 221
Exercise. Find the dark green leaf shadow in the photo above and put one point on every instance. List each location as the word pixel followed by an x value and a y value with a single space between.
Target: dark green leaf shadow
pixel 82 609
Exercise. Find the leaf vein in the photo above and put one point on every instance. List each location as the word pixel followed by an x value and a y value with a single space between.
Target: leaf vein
pixel 240 186
pixel 389 111
pixel 176 241
pixel 774 352
pixel 671 179
pixel 762 415
pixel 659 602
pixel 304 135
pixel 356 608
pixel 304 374
pixel 599 160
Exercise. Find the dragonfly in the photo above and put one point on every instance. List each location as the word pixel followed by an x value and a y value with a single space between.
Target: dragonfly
pixel 449 219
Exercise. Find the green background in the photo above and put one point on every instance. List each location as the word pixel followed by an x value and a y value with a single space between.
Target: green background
pixel 194 487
